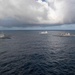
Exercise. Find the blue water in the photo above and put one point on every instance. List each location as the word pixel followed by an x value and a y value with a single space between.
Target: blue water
pixel 32 53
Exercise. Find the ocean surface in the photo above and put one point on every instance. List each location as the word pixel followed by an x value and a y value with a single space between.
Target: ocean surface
pixel 33 53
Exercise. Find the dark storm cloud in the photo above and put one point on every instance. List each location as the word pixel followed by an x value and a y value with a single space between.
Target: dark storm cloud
pixel 37 12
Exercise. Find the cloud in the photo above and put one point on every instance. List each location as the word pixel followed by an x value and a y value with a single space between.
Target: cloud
pixel 38 11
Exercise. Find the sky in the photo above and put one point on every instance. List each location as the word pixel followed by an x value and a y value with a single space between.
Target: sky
pixel 37 14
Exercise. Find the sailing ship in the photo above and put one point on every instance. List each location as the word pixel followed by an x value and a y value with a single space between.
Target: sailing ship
pixel 3 36
pixel 65 35
pixel 44 32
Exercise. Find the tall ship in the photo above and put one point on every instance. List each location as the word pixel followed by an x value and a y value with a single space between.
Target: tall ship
pixel 3 36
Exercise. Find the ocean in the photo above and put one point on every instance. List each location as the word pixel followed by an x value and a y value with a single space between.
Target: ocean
pixel 33 53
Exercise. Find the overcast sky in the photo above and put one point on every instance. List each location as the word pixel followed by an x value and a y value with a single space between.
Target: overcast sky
pixel 20 13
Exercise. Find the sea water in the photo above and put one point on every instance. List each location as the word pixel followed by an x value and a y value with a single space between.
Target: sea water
pixel 32 53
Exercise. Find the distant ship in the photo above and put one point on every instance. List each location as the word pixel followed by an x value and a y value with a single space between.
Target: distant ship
pixel 65 35
pixel 3 36
pixel 44 32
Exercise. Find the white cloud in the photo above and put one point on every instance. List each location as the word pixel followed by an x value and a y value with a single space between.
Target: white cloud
pixel 38 11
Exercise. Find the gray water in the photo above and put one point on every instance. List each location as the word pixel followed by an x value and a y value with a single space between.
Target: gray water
pixel 32 53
